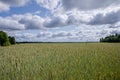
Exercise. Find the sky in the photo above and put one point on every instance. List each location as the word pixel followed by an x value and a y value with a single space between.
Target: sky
pixel 60 20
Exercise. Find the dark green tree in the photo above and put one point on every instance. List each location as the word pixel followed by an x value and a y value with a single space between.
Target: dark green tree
pixel 111 38
pixel 12 40
pixel 4 40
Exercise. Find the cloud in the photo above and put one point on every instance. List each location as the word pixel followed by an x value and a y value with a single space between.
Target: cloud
pixel 44 34
pixel 116 25
pixel 79 12
pixel 15 2
pixel 21 22
pixel 108 18
pixel 88 4
pixel 86 20
pixel 49 4
pixel 5 5
pixel 81 5
pixel 53 35
pixel 32 21
pixel 115 31
pixel 88 33
pixel 24 36
pixel 61 18
pixel 61 34
pixel 8 24
pixel 58 21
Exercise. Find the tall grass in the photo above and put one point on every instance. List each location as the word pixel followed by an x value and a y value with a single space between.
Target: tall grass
pixel 65 61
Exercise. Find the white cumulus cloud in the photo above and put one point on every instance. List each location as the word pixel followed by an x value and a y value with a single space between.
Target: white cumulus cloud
pixel 49 4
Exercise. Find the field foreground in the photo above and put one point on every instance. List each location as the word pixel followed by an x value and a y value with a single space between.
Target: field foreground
pixel 60 61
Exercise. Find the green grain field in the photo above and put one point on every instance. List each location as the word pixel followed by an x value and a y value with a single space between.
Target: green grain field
pixel 60 61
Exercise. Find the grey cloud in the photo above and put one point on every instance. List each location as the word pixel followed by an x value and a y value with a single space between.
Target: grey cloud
pixel 15 2
pixel 115 31
pixel 21 22
pixel 88 4
pixel 102 33
pixel 109 18
pixel 8 24
pixel 25 36
pixel 55 22
pixel 73 20
pixel 44 34
pixel 117 25
pixel 65 35
pixel 61 34
pixel 59 21
pixel 49 4
pixel 31 23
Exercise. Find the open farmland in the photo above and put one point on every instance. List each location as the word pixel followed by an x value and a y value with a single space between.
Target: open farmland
pixel 60 61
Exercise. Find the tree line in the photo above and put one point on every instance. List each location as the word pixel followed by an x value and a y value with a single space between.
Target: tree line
pixel 6 40
pixel 111 38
